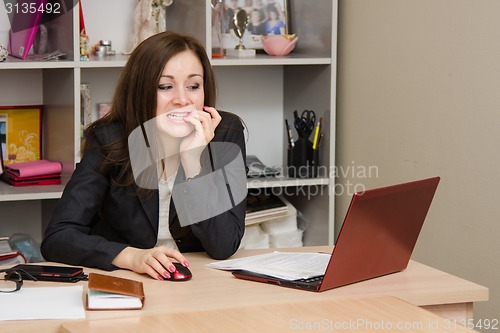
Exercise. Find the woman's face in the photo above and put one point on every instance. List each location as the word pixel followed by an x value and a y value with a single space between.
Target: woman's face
pixel 180 92
pixel 255 16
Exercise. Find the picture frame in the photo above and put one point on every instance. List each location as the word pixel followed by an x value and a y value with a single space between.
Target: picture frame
pixel 21 133
pixel 1 160
pixel 260 13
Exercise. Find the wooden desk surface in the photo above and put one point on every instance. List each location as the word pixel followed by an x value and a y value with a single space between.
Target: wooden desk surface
pixel 211 289
pixel 373 314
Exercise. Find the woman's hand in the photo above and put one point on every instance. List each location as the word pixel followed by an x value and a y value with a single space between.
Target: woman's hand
pixel 204 123
pixel 156 262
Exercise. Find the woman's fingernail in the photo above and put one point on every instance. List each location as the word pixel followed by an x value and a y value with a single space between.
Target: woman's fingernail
pixel 172 268
pixel 160 278
pixel 186 264
pixel 166 275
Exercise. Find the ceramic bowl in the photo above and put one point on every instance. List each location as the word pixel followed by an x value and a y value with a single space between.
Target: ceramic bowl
pixel 279 45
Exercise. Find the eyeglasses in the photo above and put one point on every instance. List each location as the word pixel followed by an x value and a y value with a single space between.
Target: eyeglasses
pixel 13 281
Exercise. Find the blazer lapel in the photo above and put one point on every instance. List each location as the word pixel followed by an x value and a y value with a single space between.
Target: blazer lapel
pixel 150 204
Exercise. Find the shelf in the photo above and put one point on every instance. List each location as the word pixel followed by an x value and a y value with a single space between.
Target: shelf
pixel 263 60
pixel 12 193
pixel 14 63
pixel 119 61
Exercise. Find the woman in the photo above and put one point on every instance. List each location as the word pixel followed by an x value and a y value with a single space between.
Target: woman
pixel 107 218
pixel 275 26
pixel 255 26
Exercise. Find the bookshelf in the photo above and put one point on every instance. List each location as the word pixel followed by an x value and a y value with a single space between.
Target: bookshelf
pixel 263 90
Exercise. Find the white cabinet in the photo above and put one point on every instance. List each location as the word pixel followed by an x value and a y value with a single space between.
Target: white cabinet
pixel 263 91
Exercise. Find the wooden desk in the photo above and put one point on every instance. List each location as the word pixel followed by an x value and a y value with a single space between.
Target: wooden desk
pixel 372 314
pixel 211 289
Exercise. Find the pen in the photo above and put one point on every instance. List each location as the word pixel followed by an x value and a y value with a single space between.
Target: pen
pixel 317 134
pixel 319 139
pixel 289 135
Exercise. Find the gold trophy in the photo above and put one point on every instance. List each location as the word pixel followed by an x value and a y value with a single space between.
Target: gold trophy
pixel 240 23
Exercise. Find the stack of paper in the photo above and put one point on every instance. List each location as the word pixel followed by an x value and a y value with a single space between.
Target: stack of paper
pixel 264 207
pixel 284 265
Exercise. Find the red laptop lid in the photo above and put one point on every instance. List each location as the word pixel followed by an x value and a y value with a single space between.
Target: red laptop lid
pixel 379 233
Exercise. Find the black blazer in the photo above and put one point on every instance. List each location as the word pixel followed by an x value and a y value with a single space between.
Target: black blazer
pixel 95 219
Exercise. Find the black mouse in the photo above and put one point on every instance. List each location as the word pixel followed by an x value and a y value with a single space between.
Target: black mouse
pixel 181 273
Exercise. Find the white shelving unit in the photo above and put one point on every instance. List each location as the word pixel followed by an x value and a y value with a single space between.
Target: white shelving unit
pixel 263 91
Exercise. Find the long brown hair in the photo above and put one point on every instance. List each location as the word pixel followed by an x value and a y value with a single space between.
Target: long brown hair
pixel 134 100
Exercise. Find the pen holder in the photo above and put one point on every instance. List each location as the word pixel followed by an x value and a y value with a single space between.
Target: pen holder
pixel 303 160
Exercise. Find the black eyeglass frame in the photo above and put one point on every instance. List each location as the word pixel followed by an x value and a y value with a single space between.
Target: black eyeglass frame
pixel 16 277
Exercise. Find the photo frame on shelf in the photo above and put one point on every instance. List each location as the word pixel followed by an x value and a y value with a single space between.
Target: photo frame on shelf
pixel 21 133
pixel 264 17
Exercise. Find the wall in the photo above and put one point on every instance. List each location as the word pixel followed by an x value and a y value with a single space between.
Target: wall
pixel 418 96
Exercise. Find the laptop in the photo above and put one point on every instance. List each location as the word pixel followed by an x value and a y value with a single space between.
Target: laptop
pixel 377 238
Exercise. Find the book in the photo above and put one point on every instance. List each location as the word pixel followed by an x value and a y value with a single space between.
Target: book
pixel 106 292
pixel 86 107
pixel 9 256
pixel 262 201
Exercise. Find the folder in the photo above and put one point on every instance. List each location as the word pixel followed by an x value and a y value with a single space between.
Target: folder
pixel 34 168
pixel 24 27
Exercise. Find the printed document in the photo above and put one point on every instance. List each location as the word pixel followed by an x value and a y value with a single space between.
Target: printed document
pixel 283 265
pixel 42 303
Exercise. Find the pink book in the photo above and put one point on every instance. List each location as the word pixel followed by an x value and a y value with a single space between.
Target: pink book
pixel 24 27
pixel 34 168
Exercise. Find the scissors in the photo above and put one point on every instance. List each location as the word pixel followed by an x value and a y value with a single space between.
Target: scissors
pixel 305 123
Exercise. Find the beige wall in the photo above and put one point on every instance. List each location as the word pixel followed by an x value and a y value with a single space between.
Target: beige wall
pixel 419 96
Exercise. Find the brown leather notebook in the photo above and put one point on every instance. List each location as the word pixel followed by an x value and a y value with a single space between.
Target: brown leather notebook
pixel 106 292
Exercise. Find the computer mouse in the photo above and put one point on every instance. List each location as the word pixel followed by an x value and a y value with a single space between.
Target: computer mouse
pixel 181 273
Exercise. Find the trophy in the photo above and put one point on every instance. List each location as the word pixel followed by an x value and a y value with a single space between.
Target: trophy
pixel 240 23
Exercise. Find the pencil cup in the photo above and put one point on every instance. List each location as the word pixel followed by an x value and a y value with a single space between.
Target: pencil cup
pixel 303 160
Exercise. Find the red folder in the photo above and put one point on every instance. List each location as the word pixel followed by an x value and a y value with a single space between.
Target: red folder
pixel 31 182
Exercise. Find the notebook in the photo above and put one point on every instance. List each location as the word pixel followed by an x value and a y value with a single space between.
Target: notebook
pixel 379 233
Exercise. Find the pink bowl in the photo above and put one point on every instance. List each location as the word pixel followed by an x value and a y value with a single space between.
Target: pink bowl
pixel 278 45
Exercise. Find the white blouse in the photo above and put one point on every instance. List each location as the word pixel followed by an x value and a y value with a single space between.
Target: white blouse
pixel 165 194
